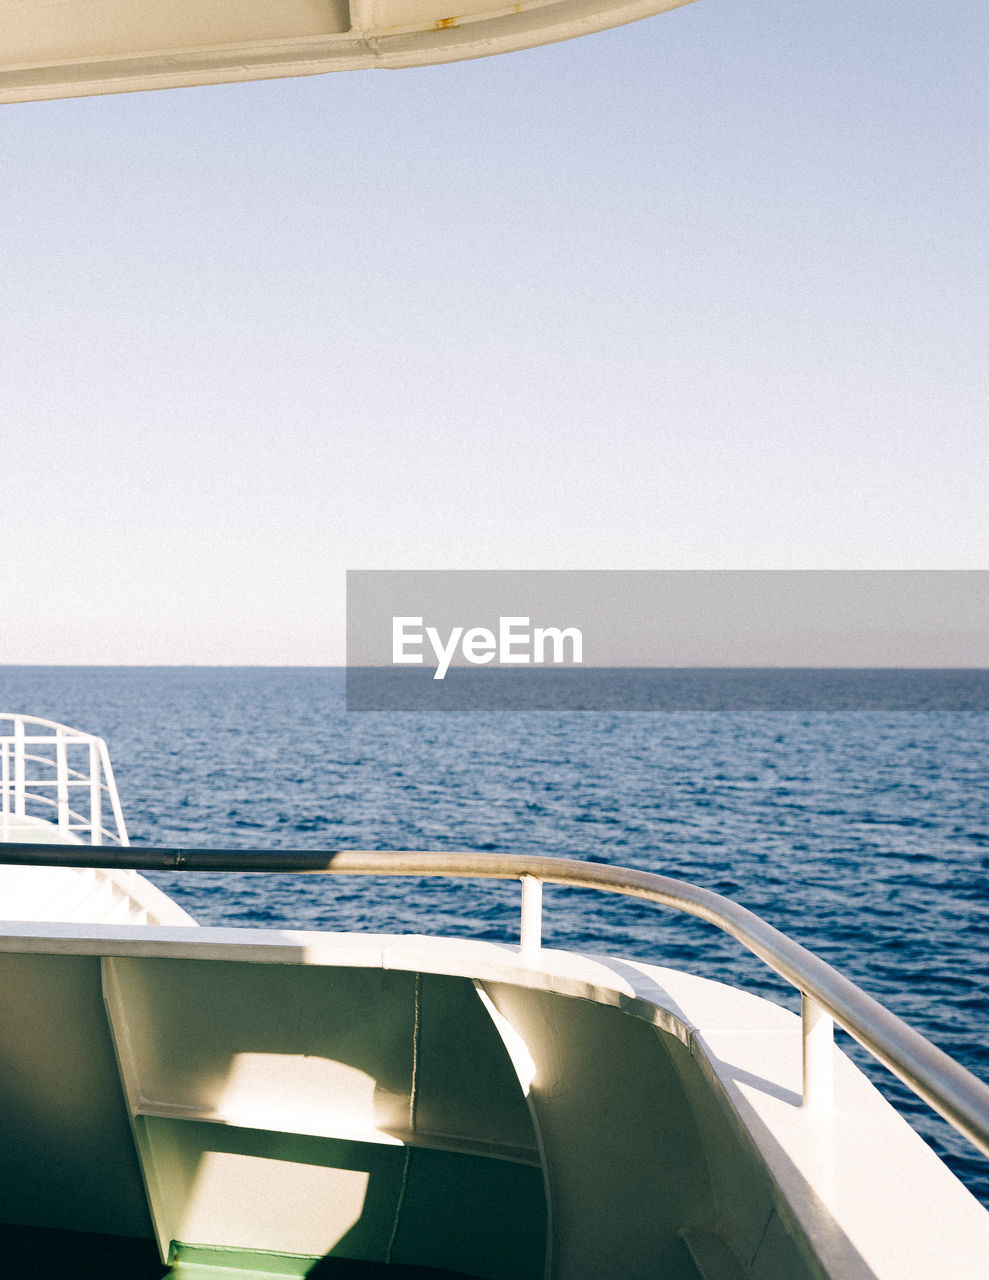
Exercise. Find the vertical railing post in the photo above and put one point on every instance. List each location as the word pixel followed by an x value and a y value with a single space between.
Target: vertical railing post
pixel 818 1055
pixel 95 795
pixel 532 915
pixel 62 780
pixel 5 782
pixel 111 788
pixel 19 783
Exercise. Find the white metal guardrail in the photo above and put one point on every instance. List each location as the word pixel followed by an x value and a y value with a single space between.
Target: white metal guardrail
pixel 826 995
pixel 53 775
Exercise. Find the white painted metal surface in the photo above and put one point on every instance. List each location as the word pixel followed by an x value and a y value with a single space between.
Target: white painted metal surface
pixel 69 48
pixel 662 1109
pixel 88 895
pixel 955 1093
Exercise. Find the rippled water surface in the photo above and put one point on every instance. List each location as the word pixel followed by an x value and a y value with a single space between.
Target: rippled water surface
pixel 864 835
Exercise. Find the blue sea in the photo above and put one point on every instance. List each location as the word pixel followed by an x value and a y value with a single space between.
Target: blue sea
pixel 864 834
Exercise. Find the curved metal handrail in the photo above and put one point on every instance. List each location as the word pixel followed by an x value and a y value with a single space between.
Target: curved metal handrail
pixel 952 1091
pixel 77 734
pixel 24 775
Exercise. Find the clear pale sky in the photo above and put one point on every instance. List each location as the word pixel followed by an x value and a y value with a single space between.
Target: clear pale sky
pixel 707 291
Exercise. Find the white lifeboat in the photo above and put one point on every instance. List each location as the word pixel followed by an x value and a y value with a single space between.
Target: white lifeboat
pixel 73 48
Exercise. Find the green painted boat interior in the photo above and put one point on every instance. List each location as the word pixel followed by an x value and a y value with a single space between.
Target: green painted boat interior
pixel 41 1253
pixel 79 1255
pixel 260 1120
pixel 223 1118
pixel 218 1264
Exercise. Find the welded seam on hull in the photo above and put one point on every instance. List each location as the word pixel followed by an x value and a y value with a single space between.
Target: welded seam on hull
pixel 413 1101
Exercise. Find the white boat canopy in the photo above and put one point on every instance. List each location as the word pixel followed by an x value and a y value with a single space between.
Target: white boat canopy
pixel 73 48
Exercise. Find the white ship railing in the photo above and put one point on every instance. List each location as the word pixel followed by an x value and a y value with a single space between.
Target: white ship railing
pixel 53 775
pixel 826 995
